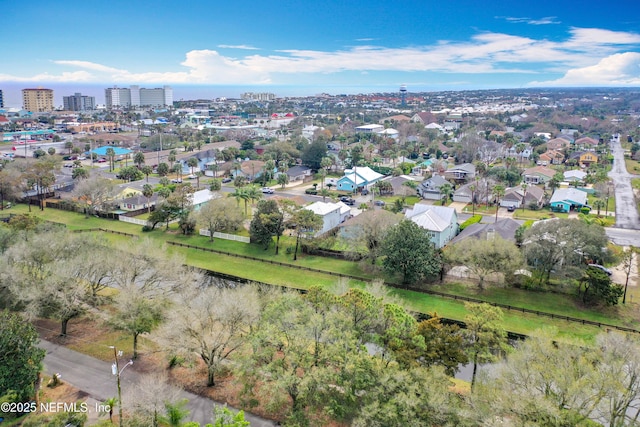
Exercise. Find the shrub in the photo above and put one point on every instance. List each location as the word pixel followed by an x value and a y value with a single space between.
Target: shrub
pixel 585 210
pixel 473 220
pixel 146 228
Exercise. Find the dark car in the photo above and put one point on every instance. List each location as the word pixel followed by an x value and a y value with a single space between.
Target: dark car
pixel 365 192
pixel 347 200
pixel 379 203
pixel 312 191
pixel 511 208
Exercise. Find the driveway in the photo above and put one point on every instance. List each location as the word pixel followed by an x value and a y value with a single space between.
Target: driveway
pixel 626 211
pixel 94 377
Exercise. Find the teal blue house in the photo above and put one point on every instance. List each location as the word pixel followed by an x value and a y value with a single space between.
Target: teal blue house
pixel 566 199
pixel 358 178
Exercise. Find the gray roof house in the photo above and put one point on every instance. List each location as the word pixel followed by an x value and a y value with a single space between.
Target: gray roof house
pixel 441 221
pixel 565 199
pixel 504 227
pixel 461 172
pixel 430 188
pixel 517 196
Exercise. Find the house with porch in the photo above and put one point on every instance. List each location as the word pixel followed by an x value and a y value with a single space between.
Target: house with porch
pixel 551 157
pixel 517 197
pixel 333 214
pixel 566 199
pixel 538 175
pixel 138 201
pixel 430 188
pixel 358 178
pixel 584 158
pixel 440 221
pixel 461 172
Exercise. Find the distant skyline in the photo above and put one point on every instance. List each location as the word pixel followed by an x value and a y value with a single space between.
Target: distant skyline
pixel 331 46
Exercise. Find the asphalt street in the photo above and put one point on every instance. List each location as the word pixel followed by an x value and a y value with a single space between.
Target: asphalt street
pixel 626 211
pixel 94 377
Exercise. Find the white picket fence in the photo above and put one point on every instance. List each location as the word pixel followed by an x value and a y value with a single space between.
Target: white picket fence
pixel 139 221
pixel 225 236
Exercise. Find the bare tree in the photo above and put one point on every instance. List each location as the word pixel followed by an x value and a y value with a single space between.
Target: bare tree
pixel 218 215
pixel 147 401
pixel 212 323
pixel 94 193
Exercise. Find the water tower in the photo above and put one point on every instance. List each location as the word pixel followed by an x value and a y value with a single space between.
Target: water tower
pixel 403 95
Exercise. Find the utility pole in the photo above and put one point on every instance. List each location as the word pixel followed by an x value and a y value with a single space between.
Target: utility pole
pixel 115 370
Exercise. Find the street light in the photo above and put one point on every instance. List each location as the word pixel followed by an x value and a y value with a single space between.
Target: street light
pixel 115 370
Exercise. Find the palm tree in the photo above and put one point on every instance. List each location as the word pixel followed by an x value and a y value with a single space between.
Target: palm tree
pixel 242 193
pixel 498 193
pixel 192 163
pixel 138 159
pixel 110 403
pixel 147 191
pixel 473 188
pixel 172 157
pixel 147 170
pixel 111 153
pixel 254 193
pixel 599 204
pixel 524 194
pixel 446 190
pixel 324 193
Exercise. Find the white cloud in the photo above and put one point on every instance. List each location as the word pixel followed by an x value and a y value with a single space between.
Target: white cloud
pixel 621 69
pixel 547 20
pixel 237 46
pixel 484 53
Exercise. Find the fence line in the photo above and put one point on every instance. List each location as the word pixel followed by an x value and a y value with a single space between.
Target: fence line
pixel 132 220
pixel 224 236
pixel 394 285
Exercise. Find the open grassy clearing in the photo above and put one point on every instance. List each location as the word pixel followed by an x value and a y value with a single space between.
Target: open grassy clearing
pixel 302 279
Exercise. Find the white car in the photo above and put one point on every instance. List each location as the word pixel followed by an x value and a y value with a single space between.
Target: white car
pixel 191 177
pixel 267 190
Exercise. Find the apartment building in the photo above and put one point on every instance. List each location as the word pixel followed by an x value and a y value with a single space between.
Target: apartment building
pixel 1 99
pixel 135 96
pixel 37 100
pixel 79 102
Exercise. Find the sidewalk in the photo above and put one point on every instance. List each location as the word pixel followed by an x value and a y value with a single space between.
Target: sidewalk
pixel 94 377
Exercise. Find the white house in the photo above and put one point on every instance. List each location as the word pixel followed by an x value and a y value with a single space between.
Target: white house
pixel 203 196
pixel 333 214
pixel 441 221
pixel 370 128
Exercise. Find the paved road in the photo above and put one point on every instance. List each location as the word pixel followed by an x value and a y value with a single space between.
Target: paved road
pixel 626 212
pixel 94 377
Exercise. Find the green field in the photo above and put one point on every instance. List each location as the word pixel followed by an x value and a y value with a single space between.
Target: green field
pixel 265 271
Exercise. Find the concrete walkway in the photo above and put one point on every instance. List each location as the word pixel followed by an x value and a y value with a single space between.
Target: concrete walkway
pixel 94 377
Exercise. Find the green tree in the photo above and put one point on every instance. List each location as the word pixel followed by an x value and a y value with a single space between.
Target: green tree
pixel 163 169
pixel 599 204
pixel 219 215
pixel 215 185
pixel 147 191
pixel 498 193
pixel 596 288
pixel 407 249
pixel 20 357
pixel 283 179
pixel 146 170
pixel 484 335
pixel 51 151
pixel 313 154
pixel 192 163
pixel 266 223
pixel 223 417
pixel 138 159
pixel 485 256
pixel 446 191
pixel 80 173
pixel 307 223
pixel 111 154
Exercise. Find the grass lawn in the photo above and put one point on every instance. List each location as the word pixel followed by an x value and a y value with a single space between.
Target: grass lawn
pixel 539 214
pixel 302 279
pixel 633 166
pixel 611 205
pixel 635 183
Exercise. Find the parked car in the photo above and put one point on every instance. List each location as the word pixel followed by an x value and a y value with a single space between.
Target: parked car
pixel 347 200
pixel 226 180
pixel 191 176
pixel 311 191
pixel 267 190
pixel 176 180
pixel 102 160
pixel 364 192
pixel 379 203
pixel 511 208
pixel 601 267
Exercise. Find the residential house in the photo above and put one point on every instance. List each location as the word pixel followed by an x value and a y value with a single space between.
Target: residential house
pixel 574 175
pixel 440 221
pixel 430 188
pixel 250 169
pixel 584 158
pixel 551 157
pixel 399 186
pixel 464 193
pixel 463 172
pixel 333 214
pixel 137 201
pixel 518 196
pixel 298 173
pixel 481 192
pixel 504 227
pixel 202 197
pixel 565 199
pixel 396 118
pixel 586 143
pixel 352 226
pixel 558 144
pixel 358 178
pixel 424 117
pixel 538 175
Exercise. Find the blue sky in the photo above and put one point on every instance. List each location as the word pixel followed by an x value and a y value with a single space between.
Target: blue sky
pixel 345 46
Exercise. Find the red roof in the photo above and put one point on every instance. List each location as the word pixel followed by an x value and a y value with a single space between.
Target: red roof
pixel 3 119
pixel 289 115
